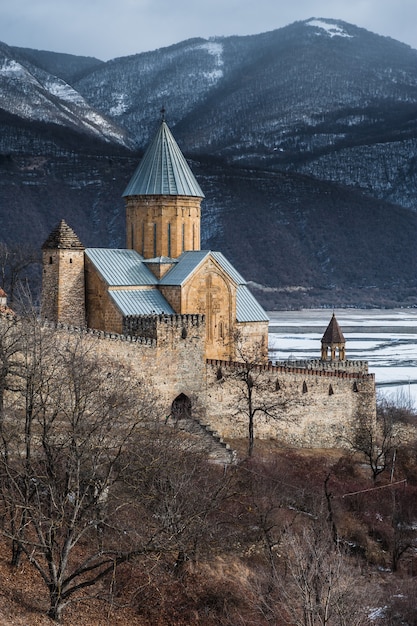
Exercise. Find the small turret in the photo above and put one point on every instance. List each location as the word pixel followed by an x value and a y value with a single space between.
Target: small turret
pixel 63 290
pixel 333 343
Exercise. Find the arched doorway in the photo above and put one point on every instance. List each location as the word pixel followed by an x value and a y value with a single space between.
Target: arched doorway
pixel 181 407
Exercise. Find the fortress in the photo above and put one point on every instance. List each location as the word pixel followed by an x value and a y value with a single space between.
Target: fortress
pixel 186 319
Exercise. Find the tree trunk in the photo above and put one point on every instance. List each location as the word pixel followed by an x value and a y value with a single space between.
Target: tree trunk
pixel 55 604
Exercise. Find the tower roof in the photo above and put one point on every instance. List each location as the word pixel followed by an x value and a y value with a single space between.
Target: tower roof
pixel 63 237
pixel 333 333
pixel 163 170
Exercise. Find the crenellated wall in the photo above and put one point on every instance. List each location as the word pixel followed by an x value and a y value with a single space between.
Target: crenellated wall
pixel 361 367
pixel 313 408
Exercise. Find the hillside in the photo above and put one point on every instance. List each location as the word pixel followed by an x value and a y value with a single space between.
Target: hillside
pixel 303 139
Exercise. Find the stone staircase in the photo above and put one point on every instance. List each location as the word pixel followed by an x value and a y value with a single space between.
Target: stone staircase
pixel 210 441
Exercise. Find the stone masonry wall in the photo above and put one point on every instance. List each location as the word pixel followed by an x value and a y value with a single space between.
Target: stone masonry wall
pixel 169 359
pixel 63 298
pixel 101 311
pixel 314 408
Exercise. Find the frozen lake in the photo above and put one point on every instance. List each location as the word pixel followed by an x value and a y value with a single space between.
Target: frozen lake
pixel 387 339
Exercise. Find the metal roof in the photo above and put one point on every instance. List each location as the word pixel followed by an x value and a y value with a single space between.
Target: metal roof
pixel 228 268
pixel 187 263
pixel 119 267
pixel 190 260
pixel 248 308
pixel 140 302
pixel 163 170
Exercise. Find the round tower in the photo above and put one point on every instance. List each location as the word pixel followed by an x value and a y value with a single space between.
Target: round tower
pixel 63 287
pixel 333 343
pixel 163 201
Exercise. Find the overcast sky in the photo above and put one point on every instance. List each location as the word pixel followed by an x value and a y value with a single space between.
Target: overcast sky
pixel 111 28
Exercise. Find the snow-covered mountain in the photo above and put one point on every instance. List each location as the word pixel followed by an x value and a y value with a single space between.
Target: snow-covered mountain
pixel 31 93
pixel 320 97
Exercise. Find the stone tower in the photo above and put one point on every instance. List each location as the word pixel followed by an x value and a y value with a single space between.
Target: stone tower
pixel 163 202
pixel 333 343
pixel 63 291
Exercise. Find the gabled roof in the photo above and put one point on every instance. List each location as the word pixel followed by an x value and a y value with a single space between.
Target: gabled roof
pixel 163 170
pixel 248 308
pixel 189 261
pixel 120 267
pixel 62 237
pixel 134 288
pixel 333 333
pixel 140 302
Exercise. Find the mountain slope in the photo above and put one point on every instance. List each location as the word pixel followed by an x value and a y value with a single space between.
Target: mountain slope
pixel 31 93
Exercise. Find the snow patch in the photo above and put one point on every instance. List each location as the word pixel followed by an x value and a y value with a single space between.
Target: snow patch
pixel 63 91
pixel 216 50
pixel 120 106
pixel 331 29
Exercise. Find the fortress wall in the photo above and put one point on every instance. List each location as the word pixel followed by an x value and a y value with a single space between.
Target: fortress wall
pixel 167 353
pixel 360 367
pixel 314 408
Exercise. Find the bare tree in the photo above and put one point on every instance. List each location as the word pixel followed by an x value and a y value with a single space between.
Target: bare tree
pixel 68 426
pixel 321 586
pixel 15 263
pixel 376 440
pixel 254 388
pixel 176 493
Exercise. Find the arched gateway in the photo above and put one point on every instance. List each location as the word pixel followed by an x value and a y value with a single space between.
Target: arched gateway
pixel 181 407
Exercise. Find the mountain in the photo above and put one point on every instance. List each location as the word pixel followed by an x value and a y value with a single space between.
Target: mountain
pixel 34 94
pixel 304 140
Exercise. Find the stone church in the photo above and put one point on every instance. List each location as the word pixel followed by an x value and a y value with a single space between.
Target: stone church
pixel 162 270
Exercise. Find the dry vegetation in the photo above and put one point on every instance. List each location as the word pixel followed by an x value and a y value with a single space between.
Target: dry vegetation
pixel 111 516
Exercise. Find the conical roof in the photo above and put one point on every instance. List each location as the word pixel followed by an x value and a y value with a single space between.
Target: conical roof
pixel 163 170
pixel 333 333
pixel 63 237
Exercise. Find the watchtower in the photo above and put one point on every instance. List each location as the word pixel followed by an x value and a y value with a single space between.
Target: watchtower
pixel 63 291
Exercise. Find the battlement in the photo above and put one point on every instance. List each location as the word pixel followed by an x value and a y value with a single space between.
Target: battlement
pixel 283 368
pixel 156 326
pixel 99 334
pixel 319 364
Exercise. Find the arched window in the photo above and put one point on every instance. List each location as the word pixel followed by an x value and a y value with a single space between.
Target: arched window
pixel 331 392
pixel 305 387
